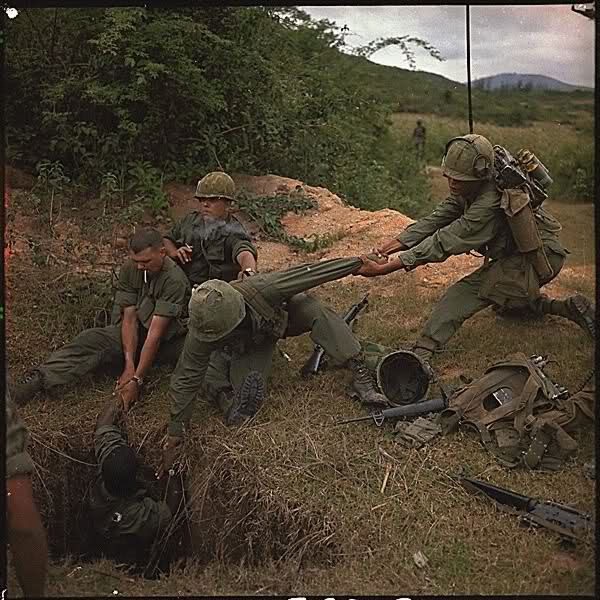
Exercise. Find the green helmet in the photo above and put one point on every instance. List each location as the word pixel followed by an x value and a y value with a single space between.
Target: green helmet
pixel 403 377
pixel 216 185
pixel 468 158
pixel 216 309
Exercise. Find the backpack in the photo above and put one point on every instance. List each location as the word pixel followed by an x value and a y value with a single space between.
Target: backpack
pixel 519 415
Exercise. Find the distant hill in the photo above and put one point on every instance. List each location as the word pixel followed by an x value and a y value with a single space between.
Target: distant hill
pixel 524 82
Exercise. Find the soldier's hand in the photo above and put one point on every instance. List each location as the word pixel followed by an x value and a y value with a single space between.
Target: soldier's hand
pixel 370 268
pixel 184 254
pixel 125 377
pixel 171 449
pixel 129 394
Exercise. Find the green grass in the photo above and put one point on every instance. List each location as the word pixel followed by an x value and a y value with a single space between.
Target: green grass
pixel 307 479
pixel 562 148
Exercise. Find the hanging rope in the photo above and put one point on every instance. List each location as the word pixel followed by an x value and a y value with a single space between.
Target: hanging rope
pixel 469 70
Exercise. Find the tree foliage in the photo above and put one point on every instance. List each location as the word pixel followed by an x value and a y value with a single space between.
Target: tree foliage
pixel 174 93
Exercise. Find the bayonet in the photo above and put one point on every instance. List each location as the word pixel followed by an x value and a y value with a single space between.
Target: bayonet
pixel 564 520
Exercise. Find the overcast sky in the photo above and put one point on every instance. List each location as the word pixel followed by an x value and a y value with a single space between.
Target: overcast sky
pixel 547 40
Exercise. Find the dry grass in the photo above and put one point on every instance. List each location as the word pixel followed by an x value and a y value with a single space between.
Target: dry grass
pixel 291 503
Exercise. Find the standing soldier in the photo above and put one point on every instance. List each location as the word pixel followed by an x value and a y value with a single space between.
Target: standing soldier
pixel 150 326
pixel 239 325
pixel 211 243
pixel 472 218
pixel 419 140
pixel 26 535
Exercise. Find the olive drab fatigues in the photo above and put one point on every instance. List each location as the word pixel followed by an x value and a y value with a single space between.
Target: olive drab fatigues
pixel 251 344
pixel 18 461
pixel 506 279
pixel 125 526
pixel 166 294
pixel 215 246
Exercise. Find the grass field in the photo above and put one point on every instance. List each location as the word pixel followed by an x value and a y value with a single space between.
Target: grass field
pixel 291 504
pixel 561 147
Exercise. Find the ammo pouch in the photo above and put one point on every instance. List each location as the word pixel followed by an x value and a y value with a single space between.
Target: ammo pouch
pixel 510 408
pixel 272 321
pixel 521 220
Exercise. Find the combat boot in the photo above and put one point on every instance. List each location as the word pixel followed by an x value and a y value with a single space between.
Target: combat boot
pixel 363 386
pixel 576 308
pixel 23 392
pixel 582 312
pixel 247 400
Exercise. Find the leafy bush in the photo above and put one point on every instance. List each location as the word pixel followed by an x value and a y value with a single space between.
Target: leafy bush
pixel 153 94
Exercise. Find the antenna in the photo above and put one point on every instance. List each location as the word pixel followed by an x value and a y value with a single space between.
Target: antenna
pixel 469 69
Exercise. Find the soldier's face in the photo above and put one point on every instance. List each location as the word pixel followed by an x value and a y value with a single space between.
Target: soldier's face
pixel 150 259
pixel 214 208
pixel 465 189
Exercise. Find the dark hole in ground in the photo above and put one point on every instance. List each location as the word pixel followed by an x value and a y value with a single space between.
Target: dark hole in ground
pixel 230 518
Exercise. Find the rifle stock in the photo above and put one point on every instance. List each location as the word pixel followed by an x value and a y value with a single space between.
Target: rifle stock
pixel 316 359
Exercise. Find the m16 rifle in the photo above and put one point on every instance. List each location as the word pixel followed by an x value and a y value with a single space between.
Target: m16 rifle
pixel 400 412
pixel 525 170
pixel 568 522
pixel 316 359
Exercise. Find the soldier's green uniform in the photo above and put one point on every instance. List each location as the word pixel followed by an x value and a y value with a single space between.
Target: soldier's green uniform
pixel 250 345
pixel 215 246
pixel 18 461
pixel 478 220
pixel 166 294
pixel 123 523
pixel 506 279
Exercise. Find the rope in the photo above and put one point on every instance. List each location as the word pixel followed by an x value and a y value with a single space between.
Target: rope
pixel 469 69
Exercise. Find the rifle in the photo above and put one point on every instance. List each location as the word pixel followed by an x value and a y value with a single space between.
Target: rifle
pixel 564 520
pixel 399 412
pixel 313 364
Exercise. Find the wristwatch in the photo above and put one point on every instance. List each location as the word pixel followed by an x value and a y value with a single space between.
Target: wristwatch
pixel 138 380
pixel 249 272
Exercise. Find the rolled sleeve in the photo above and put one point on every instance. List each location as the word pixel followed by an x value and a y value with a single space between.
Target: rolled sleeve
pixel 163 308
pixel 106 439
pixel 127 292
pixel 18 461
pixel 240 246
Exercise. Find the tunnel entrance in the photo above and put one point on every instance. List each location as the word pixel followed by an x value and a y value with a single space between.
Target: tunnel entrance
pixel 231 516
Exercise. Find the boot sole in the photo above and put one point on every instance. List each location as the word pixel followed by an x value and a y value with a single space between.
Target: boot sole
pixel 249 398
pixel 586 313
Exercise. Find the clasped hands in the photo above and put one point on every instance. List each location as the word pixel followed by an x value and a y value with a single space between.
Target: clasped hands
pixel 377 262
pixel 127 389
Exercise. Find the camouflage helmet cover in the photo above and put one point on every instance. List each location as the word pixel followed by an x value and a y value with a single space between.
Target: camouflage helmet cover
pixel 403 377
pixel 216 309
pixel 468 158
pixel 216 185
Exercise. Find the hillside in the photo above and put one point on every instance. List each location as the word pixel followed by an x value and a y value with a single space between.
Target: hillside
pixel 418 91
pixel 520 81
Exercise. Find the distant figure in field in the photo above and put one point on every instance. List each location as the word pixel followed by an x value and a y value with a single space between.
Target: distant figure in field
pixel 419 140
